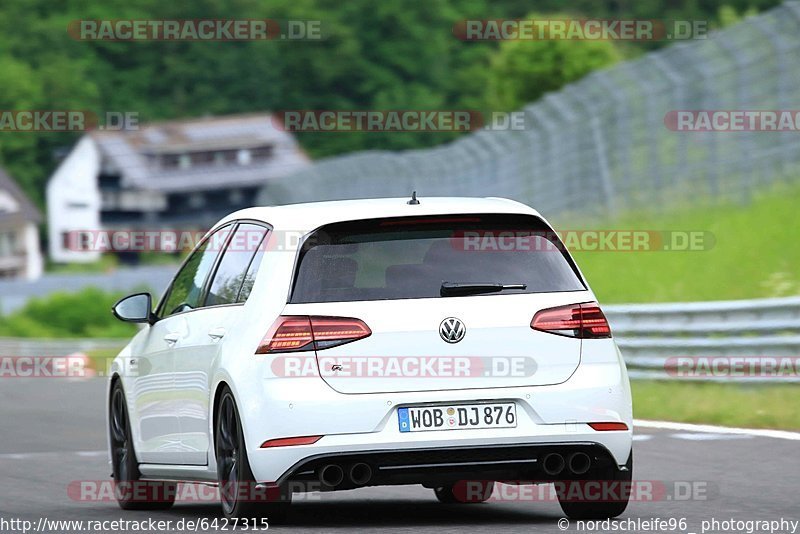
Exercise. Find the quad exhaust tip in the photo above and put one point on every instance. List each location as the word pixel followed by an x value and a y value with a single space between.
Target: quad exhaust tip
pixel 553 464
pixel 360 474
pixel 331 475
pixel 579 463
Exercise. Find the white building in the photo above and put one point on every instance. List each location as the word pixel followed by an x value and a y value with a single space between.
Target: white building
pixel 182 175
pixel 20 255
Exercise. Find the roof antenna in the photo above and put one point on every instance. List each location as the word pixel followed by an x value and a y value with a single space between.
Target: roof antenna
pixel 413 200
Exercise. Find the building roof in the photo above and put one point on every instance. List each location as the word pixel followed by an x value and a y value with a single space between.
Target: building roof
pixel 303 218
pixel 27 211
pixel 128 152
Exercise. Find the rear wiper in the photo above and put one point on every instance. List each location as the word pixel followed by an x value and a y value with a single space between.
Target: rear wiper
pixel 453 289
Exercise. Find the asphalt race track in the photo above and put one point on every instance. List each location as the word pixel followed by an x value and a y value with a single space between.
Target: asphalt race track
pixel 52 433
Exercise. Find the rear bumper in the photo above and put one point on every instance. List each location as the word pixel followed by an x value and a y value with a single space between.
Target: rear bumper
pixel 482 449
pixel 366 426
pixel 447 465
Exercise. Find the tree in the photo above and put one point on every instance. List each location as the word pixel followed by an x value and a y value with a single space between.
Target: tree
pixel 522 71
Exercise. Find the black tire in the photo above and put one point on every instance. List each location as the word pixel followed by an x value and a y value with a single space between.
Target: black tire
pixel 607 509
pixel 465 492
pixel 237 486
pixel 132 493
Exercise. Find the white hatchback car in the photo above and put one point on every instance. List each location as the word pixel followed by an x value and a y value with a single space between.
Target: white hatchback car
pixel 335 345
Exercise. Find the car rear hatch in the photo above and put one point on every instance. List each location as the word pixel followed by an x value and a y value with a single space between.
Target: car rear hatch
pixel 497 272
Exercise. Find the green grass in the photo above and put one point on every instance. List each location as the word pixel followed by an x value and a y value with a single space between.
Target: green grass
pixel 82 314
pixel 756 253
pixel 161 258
pixel 774 406
pixel 109 262
pixel 106 263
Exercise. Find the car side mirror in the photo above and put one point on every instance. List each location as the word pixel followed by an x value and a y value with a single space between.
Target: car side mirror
pixel 136 308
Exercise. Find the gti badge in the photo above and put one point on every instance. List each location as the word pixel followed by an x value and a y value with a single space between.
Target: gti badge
pixel 452 330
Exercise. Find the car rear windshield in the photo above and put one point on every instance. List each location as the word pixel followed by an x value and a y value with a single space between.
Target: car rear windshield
pixel 406 258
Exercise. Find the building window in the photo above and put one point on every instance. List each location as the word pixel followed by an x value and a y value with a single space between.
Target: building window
pixel 225 156
pixel 203 158
pixel 236 196
pixel 184 161
pixel 262 153
pixel 196 200
pixel 169 160
pixel 8 245
pixel 243 157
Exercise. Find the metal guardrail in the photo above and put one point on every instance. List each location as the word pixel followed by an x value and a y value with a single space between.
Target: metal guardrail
pixel 649 335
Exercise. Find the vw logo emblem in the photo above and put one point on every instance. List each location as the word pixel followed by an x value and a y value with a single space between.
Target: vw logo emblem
pixel 452 330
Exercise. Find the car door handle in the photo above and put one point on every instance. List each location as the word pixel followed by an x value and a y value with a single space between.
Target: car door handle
pixel 171 338
pixel 216 333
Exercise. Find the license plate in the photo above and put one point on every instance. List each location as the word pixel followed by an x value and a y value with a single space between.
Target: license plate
pixel 457 417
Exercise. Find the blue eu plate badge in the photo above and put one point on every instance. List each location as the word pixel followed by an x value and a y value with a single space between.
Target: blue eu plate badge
pixel 402 414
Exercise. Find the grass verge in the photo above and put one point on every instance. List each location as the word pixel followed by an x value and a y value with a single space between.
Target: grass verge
pixel 81 314
pixel 755 254
pixel 774 406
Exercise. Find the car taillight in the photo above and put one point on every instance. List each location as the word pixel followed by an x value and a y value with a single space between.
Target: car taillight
pixel 295 333
pixel 332 331
pixel 583 321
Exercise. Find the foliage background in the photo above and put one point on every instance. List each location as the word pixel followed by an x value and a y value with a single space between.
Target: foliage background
pixel 378 55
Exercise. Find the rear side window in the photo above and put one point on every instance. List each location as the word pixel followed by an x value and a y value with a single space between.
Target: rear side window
pixel 411 258
pixel 252 271
pixel 233 271
pixel 187 288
